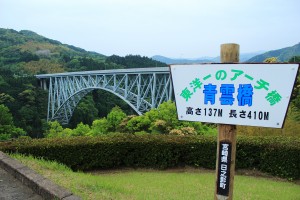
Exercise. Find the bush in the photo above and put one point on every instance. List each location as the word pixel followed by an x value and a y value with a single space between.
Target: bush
pixel 114 118
pixel 162 120
pixel 4 136
pixel 278 156
pixel 138 123
pixel 99 127
pixel 275 155
pixel 54 129
pixel 81 130
pixel 159 126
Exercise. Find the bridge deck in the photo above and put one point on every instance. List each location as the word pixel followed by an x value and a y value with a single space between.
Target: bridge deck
pixel 110 71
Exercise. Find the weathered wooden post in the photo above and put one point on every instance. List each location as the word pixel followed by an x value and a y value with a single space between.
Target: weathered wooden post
pixel 226 139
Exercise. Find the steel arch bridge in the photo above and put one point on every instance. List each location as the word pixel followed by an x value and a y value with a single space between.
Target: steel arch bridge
pixel 141 88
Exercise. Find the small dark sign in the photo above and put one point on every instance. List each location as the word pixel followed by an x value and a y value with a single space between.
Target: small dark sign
pixel 223 180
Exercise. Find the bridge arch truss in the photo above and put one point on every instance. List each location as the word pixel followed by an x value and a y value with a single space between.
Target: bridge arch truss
pixel 142 89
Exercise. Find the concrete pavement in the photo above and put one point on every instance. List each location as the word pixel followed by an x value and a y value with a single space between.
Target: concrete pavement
pixel 13 189
pixel 20 182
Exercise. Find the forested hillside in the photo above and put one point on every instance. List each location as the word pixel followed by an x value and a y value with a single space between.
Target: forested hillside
pixel 282 55
pixel 23 105
pixel 25 53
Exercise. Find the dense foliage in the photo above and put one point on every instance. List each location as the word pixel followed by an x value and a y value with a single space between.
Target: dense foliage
pixel 25 100
pixel 7 128
pixel 162 120
pixel 135 61
pixel 296 90
pixel 276 155
pixel 25 53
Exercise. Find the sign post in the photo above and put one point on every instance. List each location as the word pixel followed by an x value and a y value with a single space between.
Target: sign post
pixel 231 94
pixel 226 150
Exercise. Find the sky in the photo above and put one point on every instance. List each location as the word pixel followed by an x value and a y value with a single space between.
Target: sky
pixel 171 28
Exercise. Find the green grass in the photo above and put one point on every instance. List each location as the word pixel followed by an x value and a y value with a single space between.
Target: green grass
pixel 164 185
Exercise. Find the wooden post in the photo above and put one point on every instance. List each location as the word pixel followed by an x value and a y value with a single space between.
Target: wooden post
pixel 226 140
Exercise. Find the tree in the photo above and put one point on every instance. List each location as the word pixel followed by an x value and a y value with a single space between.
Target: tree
pixel 7 128
pixel 28 96
pixel 296 90
pixel 5 116
pixel 116 59
pixel 6 98
pixel 32 110
pixel 99 127
pixel 73 64
pixel 114 118
pixel 163 120
pixel 3 83
pixel 138 123
pixel 135 61
pixel 294 59
pixel 105 101
pixel 81 130
pixel 86 112
pixel 54 130
pixel 166 112
pixel 271 60
pixel 43 65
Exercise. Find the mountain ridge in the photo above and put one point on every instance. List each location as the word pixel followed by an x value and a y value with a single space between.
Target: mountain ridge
pixel 206 59
pixel 282 55
pixel 27 53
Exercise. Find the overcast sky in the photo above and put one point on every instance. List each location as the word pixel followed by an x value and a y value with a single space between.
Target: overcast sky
pixel 172 28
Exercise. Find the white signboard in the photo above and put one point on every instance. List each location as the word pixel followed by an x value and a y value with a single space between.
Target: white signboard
pixel 241 94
